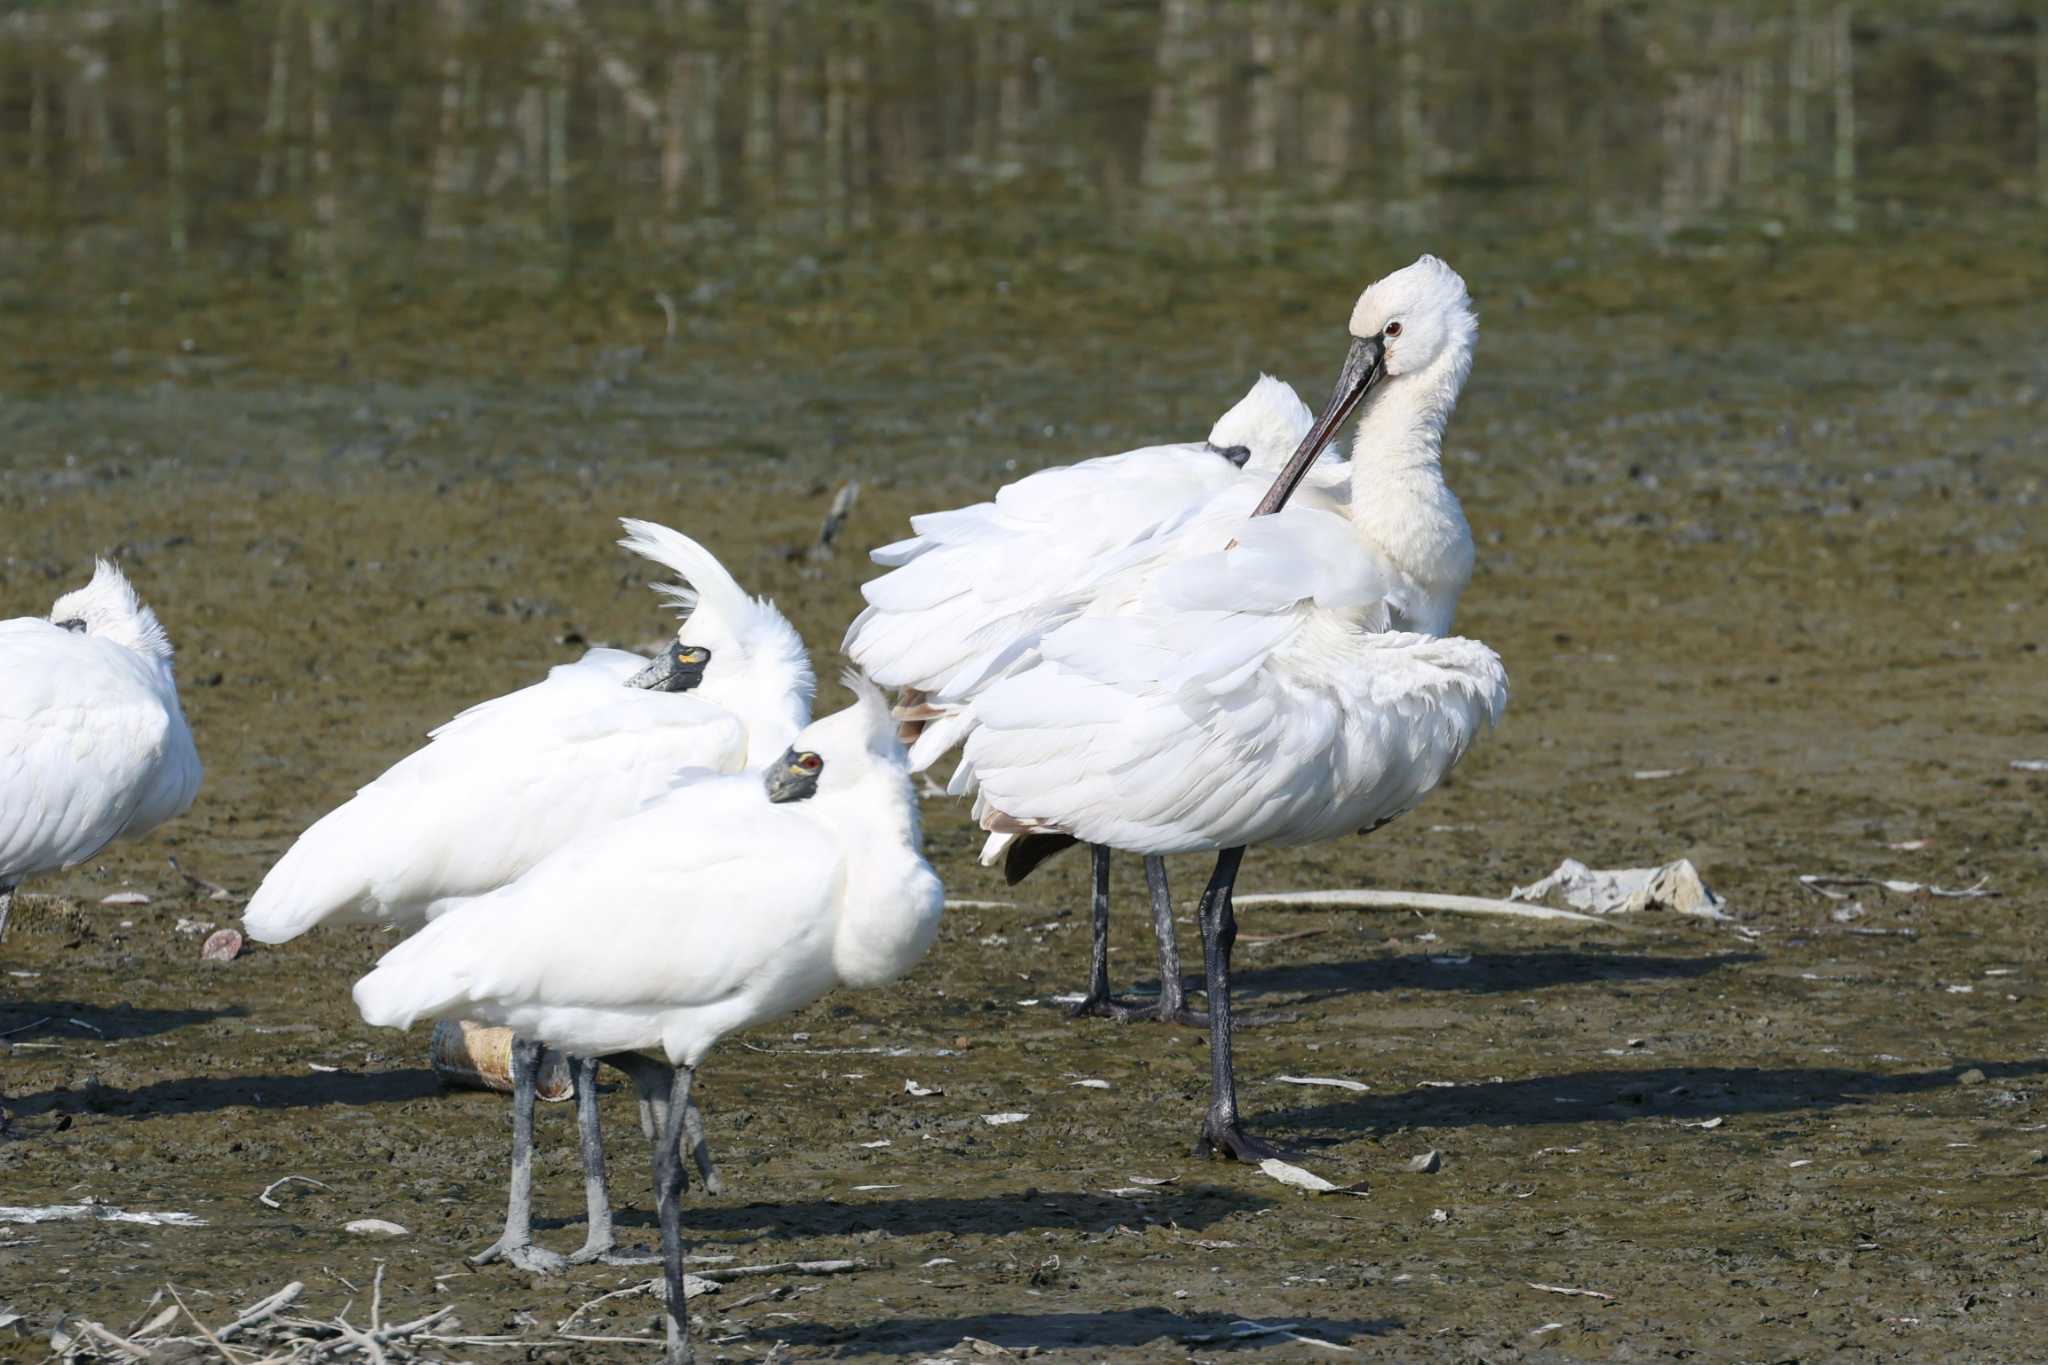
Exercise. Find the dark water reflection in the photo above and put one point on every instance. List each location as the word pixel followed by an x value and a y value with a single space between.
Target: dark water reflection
pixel 390 187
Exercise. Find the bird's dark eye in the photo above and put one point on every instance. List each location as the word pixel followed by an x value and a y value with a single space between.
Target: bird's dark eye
pixel 1393 329
pixel 810 763
pixel 74 624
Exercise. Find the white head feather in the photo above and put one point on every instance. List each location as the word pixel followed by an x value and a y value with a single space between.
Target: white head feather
pixel 1427 305
pixel 862 735
pixel 1269 422
pixel 758 666
pixel 109 609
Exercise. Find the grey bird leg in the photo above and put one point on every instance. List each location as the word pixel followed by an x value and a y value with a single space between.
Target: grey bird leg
pixel 598 1244
pixel 1173 994
pixel 6 904
pixel 650 1079
pixel 1098 1001
pixel 1221 1128
pixel 516 1245
pixel 670 1179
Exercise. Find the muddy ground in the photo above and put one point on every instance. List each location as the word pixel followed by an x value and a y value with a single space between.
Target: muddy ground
pixel 1753 449
pixel 1818 1132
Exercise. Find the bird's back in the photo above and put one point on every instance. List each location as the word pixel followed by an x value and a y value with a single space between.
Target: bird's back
pixel 93 745
pixel 972 591
pixel 495 791
pixel 709 910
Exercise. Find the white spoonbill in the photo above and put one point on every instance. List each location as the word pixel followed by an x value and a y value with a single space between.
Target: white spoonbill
pixel 970 595
pixel 508 782
pixel 724 904
pixel 1247 683
pixel 93 744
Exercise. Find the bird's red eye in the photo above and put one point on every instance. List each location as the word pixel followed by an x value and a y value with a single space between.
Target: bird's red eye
pixel 1393 329
pixel 810 763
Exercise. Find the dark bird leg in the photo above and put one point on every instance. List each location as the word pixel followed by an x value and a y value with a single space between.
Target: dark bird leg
pixel 670 1179
pixel 1221 1128
pixel 700 1150
pixel 1173 995
pixel 650 1080
pixel 516 1246
pixel 1098 1000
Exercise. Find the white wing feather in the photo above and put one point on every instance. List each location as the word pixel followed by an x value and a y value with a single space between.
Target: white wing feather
pixel 656 952
pixel 497 789
pixel 1250 694
pixel 93 746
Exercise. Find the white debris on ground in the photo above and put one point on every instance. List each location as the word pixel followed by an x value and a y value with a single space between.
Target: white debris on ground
pixel 1825 886
pixel 91 1211
pixel 1675 886
pixel 376 1227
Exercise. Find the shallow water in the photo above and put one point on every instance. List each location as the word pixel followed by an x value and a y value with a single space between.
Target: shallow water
pixel 352 327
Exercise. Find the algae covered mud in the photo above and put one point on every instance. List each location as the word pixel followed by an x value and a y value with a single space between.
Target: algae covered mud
pixel 352 328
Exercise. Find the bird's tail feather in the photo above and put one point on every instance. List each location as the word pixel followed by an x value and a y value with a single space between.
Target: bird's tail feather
pixel 319 878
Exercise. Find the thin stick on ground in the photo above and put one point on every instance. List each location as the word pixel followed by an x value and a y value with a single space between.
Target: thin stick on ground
pixel 264 1309
pixel 265 1199
pixel 1419 900
pixel 204 1330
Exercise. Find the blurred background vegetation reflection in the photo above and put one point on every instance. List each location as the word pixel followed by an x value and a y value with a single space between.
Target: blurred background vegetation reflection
pixel 1077 222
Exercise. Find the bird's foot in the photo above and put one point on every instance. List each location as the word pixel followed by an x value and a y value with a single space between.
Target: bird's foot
pixel 522 1256
pixel 1221 1137
pixel 608 1253
pixel 713 1182
pixel 1108 1007
pixel 1183 1015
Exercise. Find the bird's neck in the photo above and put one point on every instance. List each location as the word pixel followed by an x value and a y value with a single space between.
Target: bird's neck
pixel 890 906
pixel 771 707
pixel 1403 426
pixel 1400 504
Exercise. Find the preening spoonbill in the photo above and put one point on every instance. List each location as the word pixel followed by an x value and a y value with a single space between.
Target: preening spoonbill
pixel 93 744
pixel 724 904
pixel 507 782
pixel 1267 679
pixel 970 595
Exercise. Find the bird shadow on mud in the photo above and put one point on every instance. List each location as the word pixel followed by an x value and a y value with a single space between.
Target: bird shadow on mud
pixel 1619 1095
pixel 205 1094
pixel 1477 973
pixel 34 1020
pixel 1187 1206
pixel 1169 1334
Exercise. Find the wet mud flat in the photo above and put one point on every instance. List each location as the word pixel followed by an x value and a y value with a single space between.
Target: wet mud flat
pixel 1817 1129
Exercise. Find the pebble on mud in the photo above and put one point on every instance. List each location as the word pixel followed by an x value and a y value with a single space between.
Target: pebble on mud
pixel 1971 1077
pixel 376 1227
pixel 222 945
pixel 1428 1163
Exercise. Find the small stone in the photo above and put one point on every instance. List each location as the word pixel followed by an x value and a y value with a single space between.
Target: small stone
pixel 376 1227
pixel 1971 1077
pixel 222 945
pixel 1429 1163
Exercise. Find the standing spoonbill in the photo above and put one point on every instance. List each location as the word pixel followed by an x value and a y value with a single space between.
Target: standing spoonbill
pixel 722 905
pixel 970 595
pixel 93 743
pixel 509 781
pixel 1250 682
